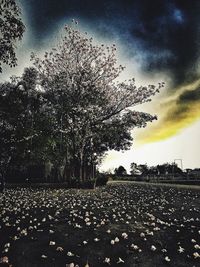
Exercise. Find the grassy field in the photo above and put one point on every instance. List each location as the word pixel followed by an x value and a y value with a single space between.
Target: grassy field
pixel 168 184
pixel 122 224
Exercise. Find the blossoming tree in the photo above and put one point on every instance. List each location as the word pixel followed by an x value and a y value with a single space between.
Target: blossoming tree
pixel 92 108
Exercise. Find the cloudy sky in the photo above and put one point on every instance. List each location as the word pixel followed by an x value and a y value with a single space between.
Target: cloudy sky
pixel 157 40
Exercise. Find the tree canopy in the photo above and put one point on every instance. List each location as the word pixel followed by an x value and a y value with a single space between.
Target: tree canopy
pixel 120 171
pixel 24 125
pixel 11 31
pixel 74 91
pixel 92 106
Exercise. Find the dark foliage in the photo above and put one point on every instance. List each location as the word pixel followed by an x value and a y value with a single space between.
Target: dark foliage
pixel 11 29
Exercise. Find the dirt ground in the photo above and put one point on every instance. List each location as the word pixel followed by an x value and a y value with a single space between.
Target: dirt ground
pixel 117 225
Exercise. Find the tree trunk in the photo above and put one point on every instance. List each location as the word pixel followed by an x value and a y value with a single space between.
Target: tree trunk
pixel 81 167
pixel 67 173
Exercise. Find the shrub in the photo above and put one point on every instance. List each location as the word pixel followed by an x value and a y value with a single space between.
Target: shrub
pixel 102 179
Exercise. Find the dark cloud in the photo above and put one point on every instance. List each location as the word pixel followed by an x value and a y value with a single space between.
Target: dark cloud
pixel 188 96
pixel 168 32
pixel 177 113
pixel 165 33
pixel 184 109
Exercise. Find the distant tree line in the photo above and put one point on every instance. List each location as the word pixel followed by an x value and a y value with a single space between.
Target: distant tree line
pixel 145 172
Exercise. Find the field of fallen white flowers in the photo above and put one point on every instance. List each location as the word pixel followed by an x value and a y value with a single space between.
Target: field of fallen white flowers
pixel 118 225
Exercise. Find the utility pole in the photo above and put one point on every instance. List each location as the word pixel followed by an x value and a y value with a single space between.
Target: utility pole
pixel 181 161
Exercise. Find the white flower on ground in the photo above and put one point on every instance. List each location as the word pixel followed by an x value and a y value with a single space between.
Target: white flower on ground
pixel 59 249
pixel 107 260
pixel 116 239
pixel 180 249
pixel 120 261
pixel 135 247
pixel 15 237
pixel 167 259
pixel 150 233
pixel 44 256
pixel 4 259
pixel 70 254
pixel 196 255
pixel 153 248
pixel 87 219
pixel 124 235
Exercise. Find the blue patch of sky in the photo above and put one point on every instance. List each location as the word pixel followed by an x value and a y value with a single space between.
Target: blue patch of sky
pixel 178 16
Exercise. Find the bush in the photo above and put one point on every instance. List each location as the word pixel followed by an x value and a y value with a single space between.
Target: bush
pixel 102 179
pixel 89 184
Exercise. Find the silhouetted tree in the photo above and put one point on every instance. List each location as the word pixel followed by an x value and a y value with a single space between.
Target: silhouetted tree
pixel 120 171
